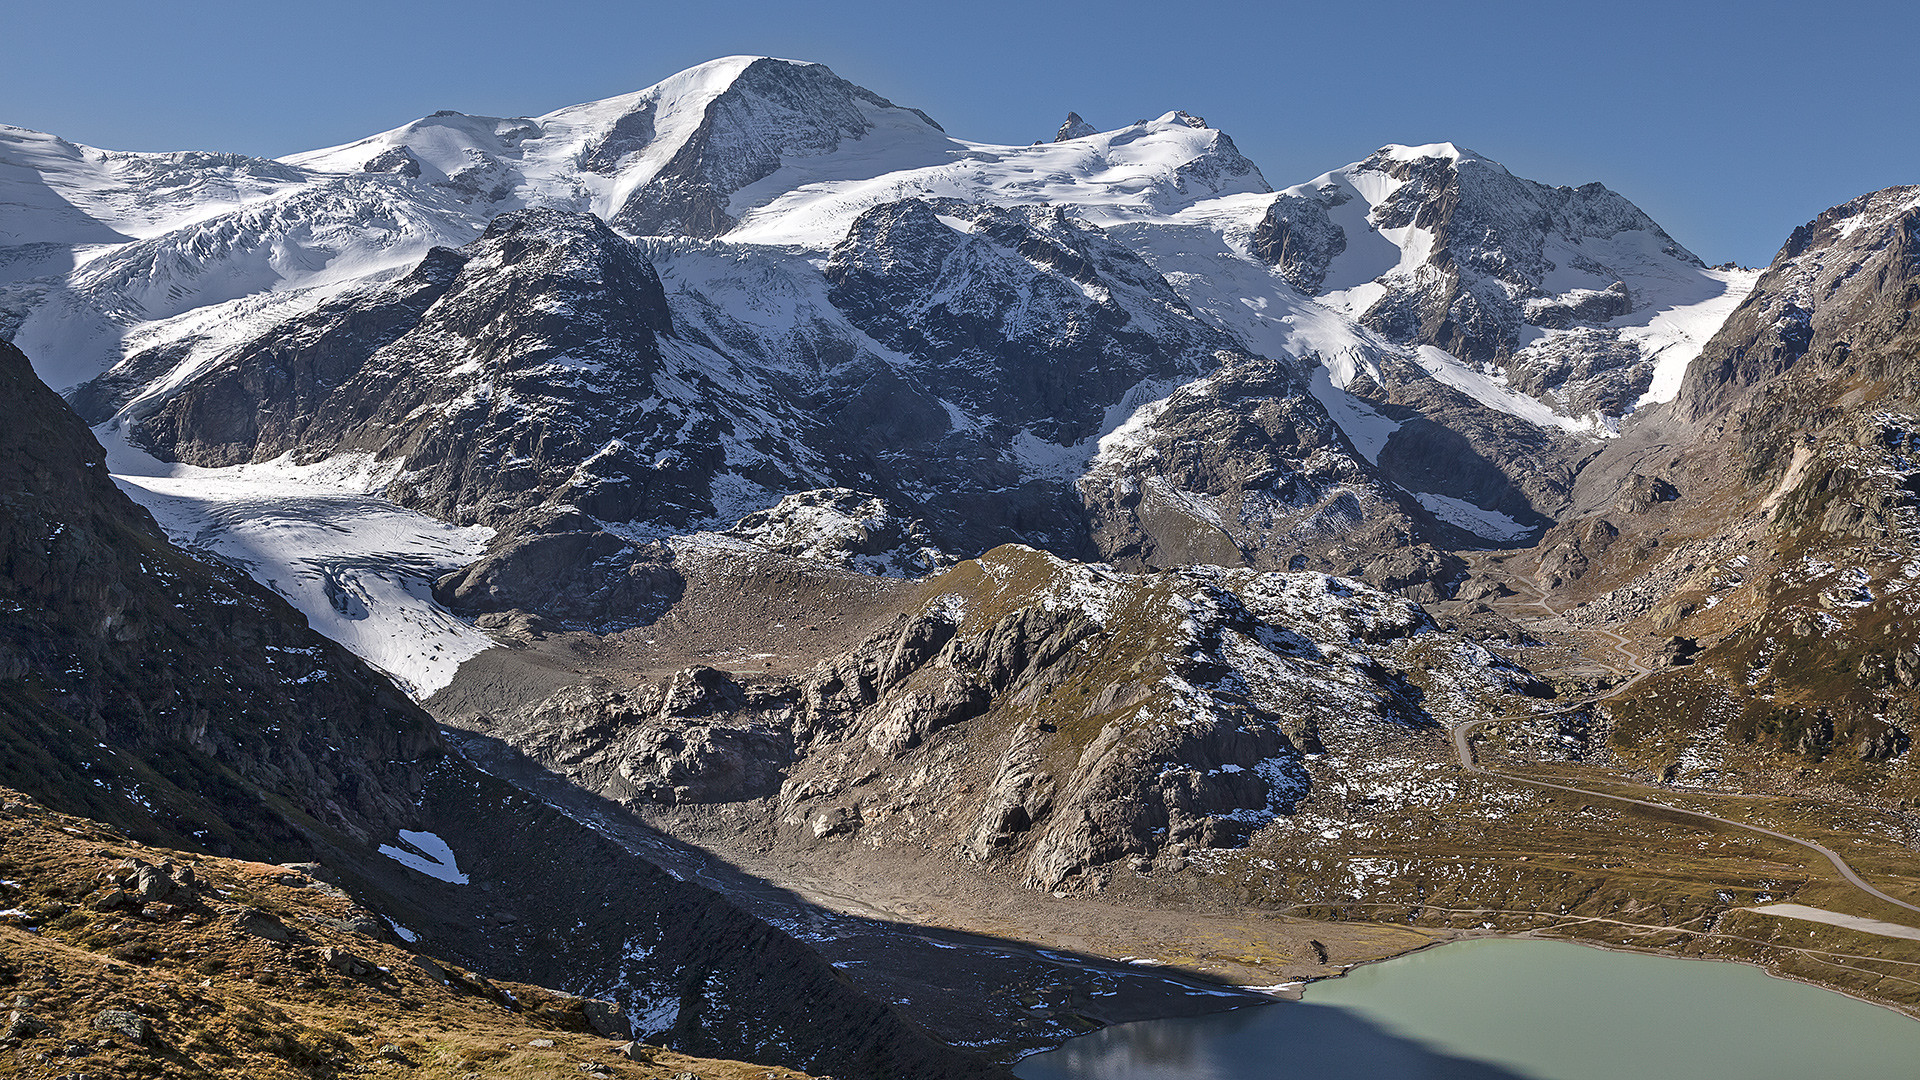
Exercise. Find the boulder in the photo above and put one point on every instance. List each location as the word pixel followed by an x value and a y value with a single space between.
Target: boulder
pixel 344 962
pixel 606 1018
pixel 261 925
pixel 128 1025
pixel 22 1025
pixel 433 970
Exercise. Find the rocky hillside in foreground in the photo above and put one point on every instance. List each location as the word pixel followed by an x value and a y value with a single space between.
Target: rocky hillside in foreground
pixel 1766 521
pixel 184 703
pixel 128 960
pixel 160 693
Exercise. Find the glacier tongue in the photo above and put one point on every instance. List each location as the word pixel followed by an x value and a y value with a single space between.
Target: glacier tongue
pixel 359 567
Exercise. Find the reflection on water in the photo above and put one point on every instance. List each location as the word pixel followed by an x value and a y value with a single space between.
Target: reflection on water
pixel 1516 1010
pixel 1283 1041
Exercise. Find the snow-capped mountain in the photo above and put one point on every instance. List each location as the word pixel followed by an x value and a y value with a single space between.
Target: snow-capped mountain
pixel 1571 295
pixel 675 308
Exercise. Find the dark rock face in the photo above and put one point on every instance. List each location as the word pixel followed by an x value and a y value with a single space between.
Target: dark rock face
pixel 1026 316
pixel 442 372
pixel 1584 371
pixel 535 381
pixel 1840 294
pixel 211 690
pixel 1298 238
pixel 1579 306
pixel 700 738
pixel 1074 128
pixel 571 571
pixel 398 159
pixel 773 109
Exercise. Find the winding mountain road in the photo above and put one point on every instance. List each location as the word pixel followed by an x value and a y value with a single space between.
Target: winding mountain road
pixel 1463 748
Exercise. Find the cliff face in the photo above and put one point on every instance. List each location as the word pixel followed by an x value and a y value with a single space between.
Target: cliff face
pixel 166 695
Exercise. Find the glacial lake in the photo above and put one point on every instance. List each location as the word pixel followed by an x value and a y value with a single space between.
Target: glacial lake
pixel 1509 1009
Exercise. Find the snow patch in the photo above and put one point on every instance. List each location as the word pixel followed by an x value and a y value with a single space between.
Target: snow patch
pixel 1477 520
pixel 1674 335
pixel 426 853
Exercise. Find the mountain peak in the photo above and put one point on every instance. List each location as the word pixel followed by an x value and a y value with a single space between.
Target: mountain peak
pixel 1181 116
pixel 1074 128
pixel 1452 153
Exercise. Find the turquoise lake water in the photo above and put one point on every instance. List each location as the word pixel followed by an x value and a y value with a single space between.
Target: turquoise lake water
pixel 1507 1009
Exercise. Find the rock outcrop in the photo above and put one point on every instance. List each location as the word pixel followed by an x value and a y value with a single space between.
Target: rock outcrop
pixel 1046 716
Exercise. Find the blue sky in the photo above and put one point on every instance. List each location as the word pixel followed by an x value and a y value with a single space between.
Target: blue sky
pixel 1730 123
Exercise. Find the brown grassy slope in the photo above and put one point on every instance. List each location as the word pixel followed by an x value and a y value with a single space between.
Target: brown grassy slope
pixel 218 996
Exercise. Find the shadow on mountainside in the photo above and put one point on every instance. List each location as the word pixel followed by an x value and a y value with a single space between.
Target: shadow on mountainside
pixel 999 996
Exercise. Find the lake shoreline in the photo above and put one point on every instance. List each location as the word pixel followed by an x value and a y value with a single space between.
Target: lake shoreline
pixel 1551 1014
pixel 1535 935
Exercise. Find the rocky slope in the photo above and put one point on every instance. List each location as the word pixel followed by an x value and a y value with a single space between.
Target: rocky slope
pixel 1049 718
pixel 1767 517
pixel 130 960
pixel 184 702
pixel 158 692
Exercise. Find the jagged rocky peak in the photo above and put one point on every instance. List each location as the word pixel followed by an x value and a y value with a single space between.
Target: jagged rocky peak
pixel 548 249
pixel 1074 128
pixel 1246 468
pixel 500 375
pixel 1032 316
pixel 1845 283
pixel 1438 245
pixel 1473 253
